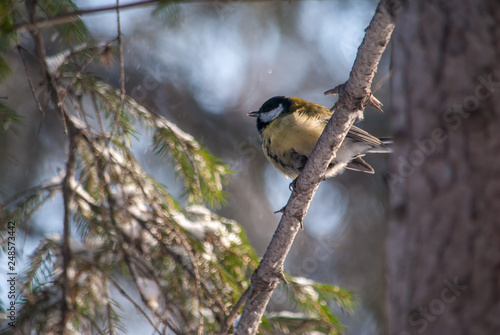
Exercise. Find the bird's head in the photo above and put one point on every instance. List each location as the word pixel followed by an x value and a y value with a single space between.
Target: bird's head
pixel 271 110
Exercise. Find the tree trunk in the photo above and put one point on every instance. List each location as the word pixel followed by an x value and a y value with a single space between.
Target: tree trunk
pixel 444 235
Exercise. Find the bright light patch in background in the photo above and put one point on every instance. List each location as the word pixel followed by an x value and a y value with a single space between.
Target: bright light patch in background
pixel 104 23
pixel 328 207
pixel 213 59
pixel 49 216
pixel 337 34
pixel 218 71
pixel 276 188
pixel 211 56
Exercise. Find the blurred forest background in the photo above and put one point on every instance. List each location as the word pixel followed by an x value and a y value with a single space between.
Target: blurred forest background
pixel 203 67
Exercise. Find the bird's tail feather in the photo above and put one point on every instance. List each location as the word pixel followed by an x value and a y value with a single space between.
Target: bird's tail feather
pixel 384 148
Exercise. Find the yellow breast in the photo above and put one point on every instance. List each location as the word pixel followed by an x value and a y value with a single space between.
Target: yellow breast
pixel 292 132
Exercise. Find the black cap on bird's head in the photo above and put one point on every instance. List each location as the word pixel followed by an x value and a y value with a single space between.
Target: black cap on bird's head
pixel 270 110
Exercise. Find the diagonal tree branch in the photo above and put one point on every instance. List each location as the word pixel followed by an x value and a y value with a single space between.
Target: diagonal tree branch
pixel 354 96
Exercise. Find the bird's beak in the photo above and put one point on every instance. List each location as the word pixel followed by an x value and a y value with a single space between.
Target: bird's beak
pixel 253 114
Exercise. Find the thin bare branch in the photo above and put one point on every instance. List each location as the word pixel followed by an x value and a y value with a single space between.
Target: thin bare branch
pixel 120 55
pixel 46 186
pixel 234 312
pixel 354 96
pixel 135 277
pixel 132 301
pixel 31 8
pixel 32 87
pixel 73 16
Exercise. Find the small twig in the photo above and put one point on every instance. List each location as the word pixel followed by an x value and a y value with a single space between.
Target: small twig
pixel 375 103
pixel 32 87
pixel 120 55
pixel 134 276
pixel 234 312
pixel 51 84
pixel 31 8
pixel 44 186
pixel 281 275
pixel 282 210
pixel 336 90
pixel 132 301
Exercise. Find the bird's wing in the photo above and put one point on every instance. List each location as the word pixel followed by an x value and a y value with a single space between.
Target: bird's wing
pixel 324 114
pixel 312 110
pixel 360 135
pixel 321 112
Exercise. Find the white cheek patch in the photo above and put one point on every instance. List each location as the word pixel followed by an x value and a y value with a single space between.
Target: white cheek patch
pixel 272 114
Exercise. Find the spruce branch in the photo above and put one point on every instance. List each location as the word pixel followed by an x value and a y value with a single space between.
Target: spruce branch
pixel 354 96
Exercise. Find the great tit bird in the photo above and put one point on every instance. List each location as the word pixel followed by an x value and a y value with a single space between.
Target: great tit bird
pixel 290 127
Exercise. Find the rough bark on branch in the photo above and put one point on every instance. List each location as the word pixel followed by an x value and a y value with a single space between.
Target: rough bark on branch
pixel 354 96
